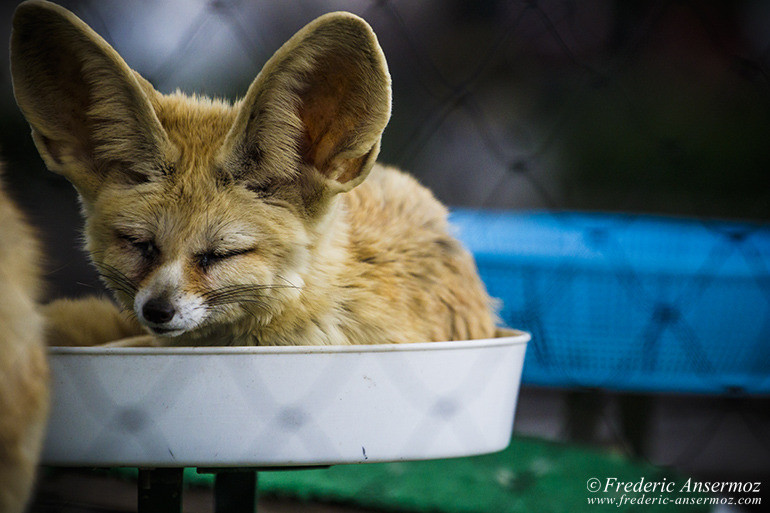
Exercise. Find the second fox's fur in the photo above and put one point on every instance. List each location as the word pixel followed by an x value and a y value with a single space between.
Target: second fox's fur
pixel 23 367
pixel 247 223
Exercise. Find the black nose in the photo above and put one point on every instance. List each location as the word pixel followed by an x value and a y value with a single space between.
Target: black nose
pixel 158 310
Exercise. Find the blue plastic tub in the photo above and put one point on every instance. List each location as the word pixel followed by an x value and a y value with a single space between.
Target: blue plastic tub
pixel 630 302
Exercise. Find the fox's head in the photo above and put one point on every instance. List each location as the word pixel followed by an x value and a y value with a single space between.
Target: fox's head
pixel 199 212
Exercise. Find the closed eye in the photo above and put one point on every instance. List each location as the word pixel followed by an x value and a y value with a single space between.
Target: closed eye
pixel 146 248
pixel 209 258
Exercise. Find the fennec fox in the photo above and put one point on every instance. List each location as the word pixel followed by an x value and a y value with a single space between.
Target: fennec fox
pixel 23 369
pixel 247 223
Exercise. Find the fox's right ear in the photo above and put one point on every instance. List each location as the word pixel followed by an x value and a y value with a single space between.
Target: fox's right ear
pixel 317 108
pixel 90 114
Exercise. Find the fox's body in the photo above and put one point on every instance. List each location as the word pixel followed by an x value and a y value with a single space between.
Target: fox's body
pixel 23 369
pixel 248 223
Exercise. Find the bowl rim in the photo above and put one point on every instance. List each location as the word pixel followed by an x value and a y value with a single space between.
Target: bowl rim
pixel 504 338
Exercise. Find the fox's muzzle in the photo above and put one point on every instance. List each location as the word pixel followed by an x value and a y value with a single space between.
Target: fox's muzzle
pixel 158 310
pixel 168 311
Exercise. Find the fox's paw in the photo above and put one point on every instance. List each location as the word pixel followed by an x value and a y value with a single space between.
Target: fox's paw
pixel 89 321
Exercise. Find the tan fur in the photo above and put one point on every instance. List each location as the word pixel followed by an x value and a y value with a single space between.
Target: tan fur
pixel 71 322
pixel 23 368
pixel 251 221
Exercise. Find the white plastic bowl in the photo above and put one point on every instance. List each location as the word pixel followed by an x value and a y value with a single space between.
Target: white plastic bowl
pixel 282 406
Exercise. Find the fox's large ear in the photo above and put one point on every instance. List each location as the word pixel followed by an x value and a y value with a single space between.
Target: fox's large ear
pixel 318 106
pixel 90 113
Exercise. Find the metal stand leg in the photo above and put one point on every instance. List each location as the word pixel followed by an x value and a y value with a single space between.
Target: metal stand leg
pixel 160 490
pixel 235 491
pixel 635 420
pixel 584 408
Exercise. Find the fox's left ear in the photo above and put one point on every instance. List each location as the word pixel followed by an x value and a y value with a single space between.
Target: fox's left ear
pixel 90 114
pixel 318 106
